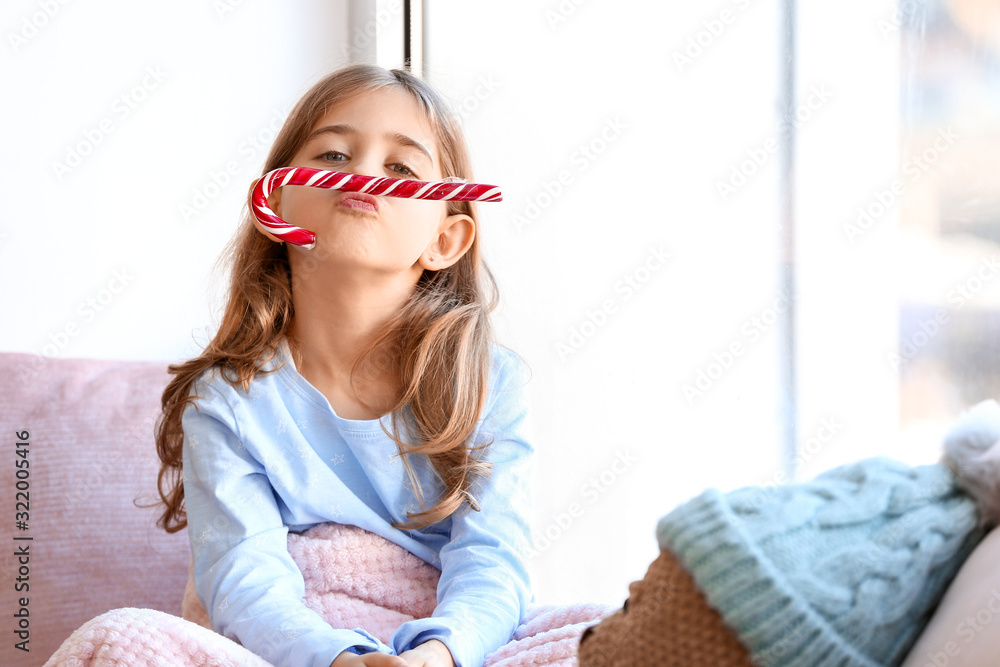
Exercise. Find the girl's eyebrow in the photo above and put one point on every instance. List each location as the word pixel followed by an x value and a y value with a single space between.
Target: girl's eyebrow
pixel 395 137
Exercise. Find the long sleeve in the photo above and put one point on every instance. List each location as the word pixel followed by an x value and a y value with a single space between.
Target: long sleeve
pixel 485 585
pixel 243 573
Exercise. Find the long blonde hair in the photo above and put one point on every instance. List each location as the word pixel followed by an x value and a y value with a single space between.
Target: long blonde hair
pixel 438 344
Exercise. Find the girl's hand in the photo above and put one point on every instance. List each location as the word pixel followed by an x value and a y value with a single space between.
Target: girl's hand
pixel 376 659
pixel 432 653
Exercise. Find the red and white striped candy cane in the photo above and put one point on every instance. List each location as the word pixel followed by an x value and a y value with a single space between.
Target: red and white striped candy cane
pixel 373 185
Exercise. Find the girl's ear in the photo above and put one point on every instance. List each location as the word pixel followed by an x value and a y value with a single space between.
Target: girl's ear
pixel 454 239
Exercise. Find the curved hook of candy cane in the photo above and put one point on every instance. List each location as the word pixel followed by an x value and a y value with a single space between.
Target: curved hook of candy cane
pixel 268 219
pixel 448 190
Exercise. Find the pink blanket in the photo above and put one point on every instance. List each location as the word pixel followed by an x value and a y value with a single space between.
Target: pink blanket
pixel 353 579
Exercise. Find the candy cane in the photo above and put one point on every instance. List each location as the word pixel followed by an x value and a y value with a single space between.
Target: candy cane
pixel 373 185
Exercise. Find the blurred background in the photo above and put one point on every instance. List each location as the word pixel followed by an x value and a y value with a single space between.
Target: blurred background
pixel 741 242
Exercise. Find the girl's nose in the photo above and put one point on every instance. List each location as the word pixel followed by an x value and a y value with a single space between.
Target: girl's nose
pixel 365 166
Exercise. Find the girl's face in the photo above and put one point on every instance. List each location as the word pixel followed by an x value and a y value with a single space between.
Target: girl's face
pixel 376 133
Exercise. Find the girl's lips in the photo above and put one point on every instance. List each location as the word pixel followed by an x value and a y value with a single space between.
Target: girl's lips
pixel 359 200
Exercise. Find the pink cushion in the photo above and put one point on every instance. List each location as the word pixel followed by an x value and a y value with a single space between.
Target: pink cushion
pixel 91 457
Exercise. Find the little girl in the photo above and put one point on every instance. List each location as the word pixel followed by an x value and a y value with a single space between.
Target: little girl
pixel 356 382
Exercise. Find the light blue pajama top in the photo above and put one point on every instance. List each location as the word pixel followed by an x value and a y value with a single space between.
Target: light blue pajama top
pixel 278 458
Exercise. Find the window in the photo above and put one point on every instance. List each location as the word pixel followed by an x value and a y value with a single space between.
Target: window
pixel 623 134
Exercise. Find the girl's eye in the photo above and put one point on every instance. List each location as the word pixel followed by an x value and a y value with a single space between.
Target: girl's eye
pixel 332 156
pixel 402 169
pixel 337 156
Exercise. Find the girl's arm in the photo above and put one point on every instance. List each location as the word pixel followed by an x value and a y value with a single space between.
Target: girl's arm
pixel 243 573
pixel 485 586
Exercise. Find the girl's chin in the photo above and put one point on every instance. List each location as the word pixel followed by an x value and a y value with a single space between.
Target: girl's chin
pixel 347 253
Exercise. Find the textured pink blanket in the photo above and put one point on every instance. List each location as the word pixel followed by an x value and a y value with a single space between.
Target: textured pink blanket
pixel 353 579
